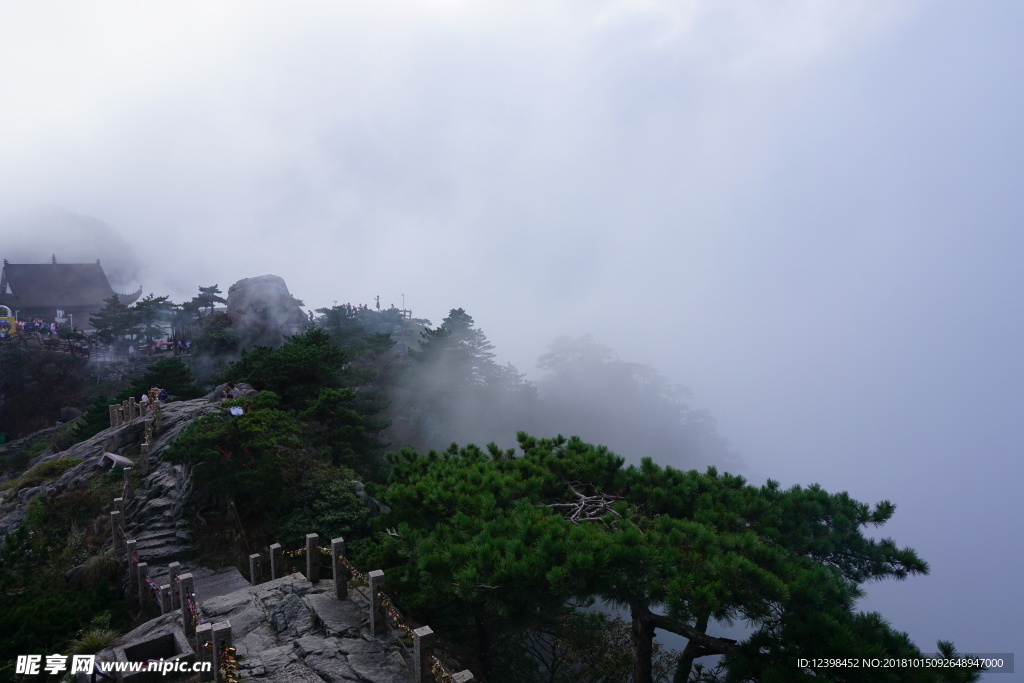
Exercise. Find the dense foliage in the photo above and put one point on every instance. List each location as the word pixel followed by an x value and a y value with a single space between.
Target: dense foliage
pixel 258 463
pixel 34 385
pixel 483 544
pixel 252 457
pixel 296 371
pixel 43 611
pixel 455 389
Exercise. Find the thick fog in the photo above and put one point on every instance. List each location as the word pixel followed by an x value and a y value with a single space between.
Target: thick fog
pixel 808 213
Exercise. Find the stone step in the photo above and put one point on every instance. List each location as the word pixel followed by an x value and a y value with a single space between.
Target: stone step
pixel 224 581
pixel 178 535
pixel 162 552
pixel 161 573
pixel 344 618
pixel 165 522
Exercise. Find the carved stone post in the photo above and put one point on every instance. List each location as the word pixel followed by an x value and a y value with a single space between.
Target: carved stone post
pixel 133 566
pixel 255 570
pixel 422 644
pixel 221 640
pixel 173 570
pixel 189 608
pixel 129 485
pixel 165 599
pixel 275 560
pixel 133 409
pixel 312 558
pixel 115 530
pixel 204 650
pixel 377 624
pixel 341 573
pixel 143 570
pixel 113 415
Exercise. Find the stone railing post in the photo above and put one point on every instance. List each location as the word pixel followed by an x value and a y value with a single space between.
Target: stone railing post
pixel 133 561
pixel 173 570
pixel 377 624
pixel 255 570
pixel 113 415
pixel 165 599
pixel 133 409
pixel 119 506
pixel 312 558
pixel 189 610
pixel 422 644
pixel 204 650
pixel 275 560
pixel 221 640
pixel 340 572
pixel 143 570
pixel 129 485
pixel 115 530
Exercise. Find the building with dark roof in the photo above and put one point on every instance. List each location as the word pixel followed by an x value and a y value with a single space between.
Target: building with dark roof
pixel 54 290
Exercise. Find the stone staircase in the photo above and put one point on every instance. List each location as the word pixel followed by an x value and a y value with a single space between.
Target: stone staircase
pixel 161 535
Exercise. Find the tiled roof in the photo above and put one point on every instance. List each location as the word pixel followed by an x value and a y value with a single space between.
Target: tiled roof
pixel 57 285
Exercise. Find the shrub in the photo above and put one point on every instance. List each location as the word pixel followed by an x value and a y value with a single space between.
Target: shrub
pixel 44 471
pixel 100 569
pixel 328 506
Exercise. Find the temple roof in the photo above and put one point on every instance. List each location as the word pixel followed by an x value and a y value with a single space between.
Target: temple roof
pixel 57 285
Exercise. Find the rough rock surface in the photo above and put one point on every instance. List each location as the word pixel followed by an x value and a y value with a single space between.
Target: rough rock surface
pixel 158 495
pixel 263 311
pixel 292 630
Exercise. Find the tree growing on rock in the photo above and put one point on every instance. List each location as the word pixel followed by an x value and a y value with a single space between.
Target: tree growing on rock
pixel 207 299
pixel 488 543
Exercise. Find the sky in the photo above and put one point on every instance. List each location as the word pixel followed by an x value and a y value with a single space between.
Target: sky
pixel 807 212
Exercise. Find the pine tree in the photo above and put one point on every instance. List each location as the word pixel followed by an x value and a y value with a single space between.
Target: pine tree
pixel 207 299
pixel 491 542
pixel 114 324
pixel 459 351
pixel 147 312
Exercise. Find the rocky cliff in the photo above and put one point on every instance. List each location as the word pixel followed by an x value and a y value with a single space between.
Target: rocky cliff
pixel 263 311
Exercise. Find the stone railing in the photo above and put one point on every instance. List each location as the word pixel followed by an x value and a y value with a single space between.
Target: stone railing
pixel 179 593
pixel 427 663
pixel 139 583
pixel 130 410
pixel 127 411
pixel 211 642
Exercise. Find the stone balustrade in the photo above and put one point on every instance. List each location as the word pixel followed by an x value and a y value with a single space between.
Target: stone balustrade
pixel 179 593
